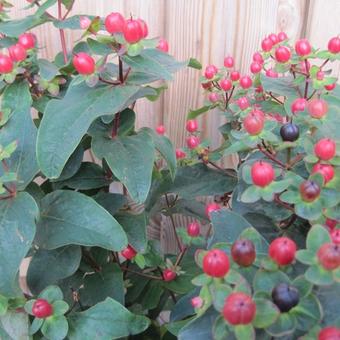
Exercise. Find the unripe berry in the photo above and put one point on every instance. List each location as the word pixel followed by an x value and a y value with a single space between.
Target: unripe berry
pixel 84 63
pixel 282 54
pixel 235 76
pixel 329 256
pixel 129 253
pixel 163 45
pixel 243 252
pixel 271 73
pixel 216 263
pixel 160 129
pixel 330 87
pixel 266 44
pixel 243 103
pixel 282 36
pixel 114 23
pixel 228 62
pixel 226 84
pixel 326 170
pixel 193 142
pixel 17 53
pixel 329 333
pixel 193 229
pixel 180 154
pixel 257 57
pixel 309 190
pixel 325 149
pixel 317 108
pixel 27 40
pixel 197 302
pixel 144 26
pixel 42 309
pixel 211 207
pixel 255 67
pixel 282 251
pixel 210 71
pixel 253 124
pixel 191 125
pixel 213 97
pixel 334 45
pixel 6 64
pixel 132 31
pixel 246 82
pixel 262 173
pixel 169 275
pixel 84 22
pixel 298 104
pixel 303 47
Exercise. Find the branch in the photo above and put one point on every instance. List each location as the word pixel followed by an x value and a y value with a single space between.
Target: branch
pixel 276 99
pixel 180 256
pixel 272 157
pixel 283 204
pixel 62 33
pixel 153 277
pixel 173 224
pixel 307 80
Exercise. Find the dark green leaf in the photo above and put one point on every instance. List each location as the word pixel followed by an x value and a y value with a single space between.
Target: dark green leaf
pixel 14 326
pixel 55 327
pixel 47 69
pixel 266 313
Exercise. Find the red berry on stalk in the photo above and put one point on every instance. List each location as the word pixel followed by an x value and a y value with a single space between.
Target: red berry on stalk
pixel 160 129
pixel 193 142
pixel 309 190
pixel 207 86
pixel 282 250
pixel 6 64
pixel 282 36
pixel 262 173
pixel 228 62
pixel 253 124
pixel 282 54
pixel 27 40
pixel 330 87
pixel 329 333
pixel 325 149
pixel 197 302
pixel 317 108
pixel 114 23
pixel 210 208
pixel 330 223
pixel 335 236
pixel 246 82
pixel 191 125
pixel 239 309
pixel 255 67
pixel 243 252
pixel 144 26
pixel 243 103
pixel 193 229
pixel 42 309
pixel 334 45
pixel 210 71
pixel 235 76
pixel 257 57
pixel 17 53
pixel 129 253
pixel 329 256
pixel 326 170
pixel 180 154
pixel 266 44
pixel 273 37
pixel 303 47
pixel 214 97
pixel 298 104
pixel 84 63
pixel 132 31
pixel 226 84
pixel 163 45
pixel 271 73
pixel 216 263
pixel 169 275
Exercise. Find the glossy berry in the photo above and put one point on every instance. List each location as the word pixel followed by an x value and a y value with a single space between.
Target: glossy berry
pixel 255 67
pixel 329 256
pixel 169 275
pixel 334 45
pixel 239 309
pixel 243 252
pixel 317 108
pixel 309 191
pixel 132 31
pixel 329 333
pixel 17 53
pixel 228 62
pixel 160 129
pixel 193 142
pixel 196 302
pixel 27 40
pixel 243 103
pixel 129 253
pixel 271 73
pixel 326 170
pixel 330 87
pixel 274 39
pixel 282 54
pixel 226 84
pixel 330 223
pixel 246 82
pixel 298 104
pixel 180 154
pixel 235 76
pixel 289 132
pixel 42 309
pixel 282 36
pixel 285 297
pixel 257 57
pixel 213 97
pixel 193 229
pixel 84 63
pixel 210 207
pixel 320 75
pixel 325 149
pixel 84 22
pixel 282 251
pixel 335 236
pixel 303 47
pixel 114 23
pixel 210 71
pixel 6 64
pixel 191 125
pixel 216 263
pixel 253 124
pixel 163 45
pixel 266 44
pixel 144 26
pixel 262 173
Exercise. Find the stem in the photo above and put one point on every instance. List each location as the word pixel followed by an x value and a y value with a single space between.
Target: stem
pixel 173 224
pixel 180 256
pixel 324 63
pixel 276 99
pixel 153 277
pixel 231 94
pixel 313 93
pixel 295 160
pixel 62 33
pixel 121 75
pixel 307 80
pixel 283 204
pixel 229 173
pixel 272 157
pixel 289 222
pixel 289 154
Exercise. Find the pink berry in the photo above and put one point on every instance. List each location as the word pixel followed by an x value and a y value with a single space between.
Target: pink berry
pixel 325 149
pixel 132 31
pixel 84 22
pixel 193 229
pixel 114 23
pixel 211 207
pixel 266 44
pixel 255 67
pixel 320 75
pixel 226 84
pixel 282 54
pixel 180 154
pixel 274 38
pixel 144 27
pixel 213 97
pixel 169 275
pixel 17 53
pixel 334 45
pixel 303 47
pixel 228 62
pixel 257 56
pixel 330 87
pixel 282 36
pixel 271 73
pixel 27 40
pixel 160 129
pixel 193 142
pixel 210 71
pixel 243 103
pixel 197 302
pixel 235 76
pixel 298 104
pixel 84 63
pixel 163 45
pixel 191 125
pixel 246 82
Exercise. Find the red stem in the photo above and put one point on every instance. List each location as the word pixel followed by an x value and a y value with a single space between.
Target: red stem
pixel 62 33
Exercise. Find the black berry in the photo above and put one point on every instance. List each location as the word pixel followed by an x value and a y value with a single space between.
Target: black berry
pixel 285 297
pixel 289 132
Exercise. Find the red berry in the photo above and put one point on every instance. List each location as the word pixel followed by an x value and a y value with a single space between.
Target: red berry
pixel 144 27
pixel 282 54
pixel 271 73
pixel 329 256
pixel 255 67
pixel 329 333
pixel 216 263
pixel 235 76
pixel 114 23
pixel 257 56
pixel 210 71
pixel 246 82
pixel 180 154
pixel 193 229
pixel 191 125
pixel 132 31
pixel 17 52
pixel 266 44
pixel 193 142
pixel 330 87
pixel 273 37
pixel 129 253
pixel 243 252
pixel 282 250
pixel 325 149
pixel 330 223
pixel 84 63
pixel 239 309
pixel 243 103
pixel 228 62
pixel 160 129
pixel 84 22
pixel 303 47
pixel 163 45
pixel 282 36
pixel 210 208
pixel 320 75
pixel 259 113
pixel 169 275
pixel 317 108
pixel 326 170
pixel 262 173
pixel 335 236
pixel 226 84
pixel 334 45
pixel 197 302
pixel 6 64
pixel 298 104
pixel 27 40
pixel 42 309
pixel 214 97
pixel 253 124
pixel 309 191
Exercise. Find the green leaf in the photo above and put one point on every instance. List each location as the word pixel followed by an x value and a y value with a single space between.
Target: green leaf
pixel 220 329
pixel 282 86
pixel 51 294
pixel 266 313
pixel 201 280
pixel 265 281
pixel 14 326
pixel 260 243
pixel 65 121
pixel 317 275
pixel 195 113
pixel 303 286
pixel 106 321
pixel 309 210
pixel 110 202
pixel 20 128
pixel 47 69
pixel 329 298
pixel 305 256
pixel 36 325
pixel 194 63
pixel 317 236
pixel 55 327
pixel 151 295
pixel 3 305
pixel 59 308
pixel 17 229
pixel 130 159
pixel 64 261
pixel 243 332
pixel 284 325
pixel 61 223
pixel 219 293
pixel 251 194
